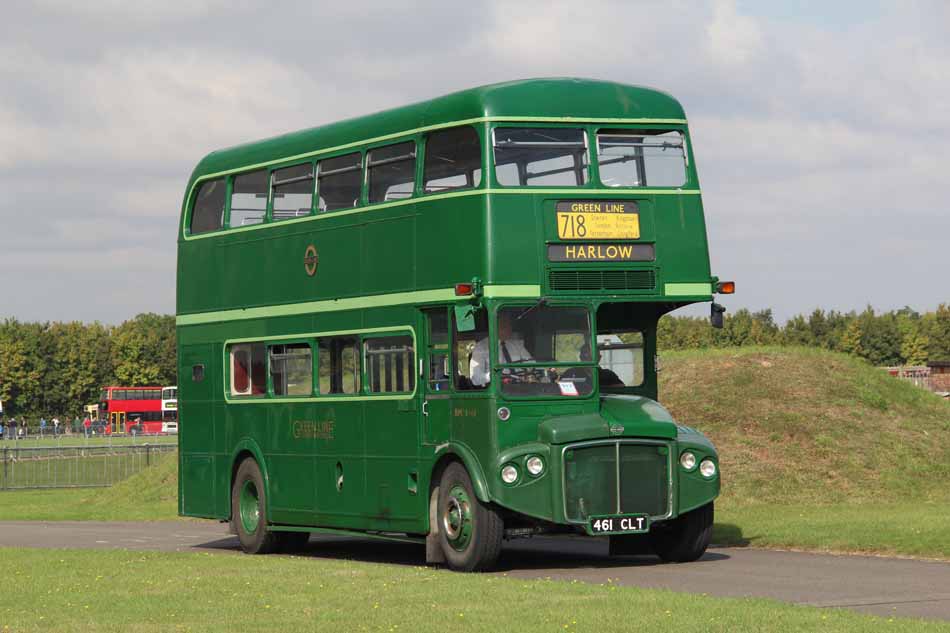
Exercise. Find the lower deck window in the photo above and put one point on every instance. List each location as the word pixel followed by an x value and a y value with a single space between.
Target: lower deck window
pixel 248 369
pixel 389 364
pixel 291 369
pixel 339 365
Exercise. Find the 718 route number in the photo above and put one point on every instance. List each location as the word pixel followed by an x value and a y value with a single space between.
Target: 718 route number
pixel 619 524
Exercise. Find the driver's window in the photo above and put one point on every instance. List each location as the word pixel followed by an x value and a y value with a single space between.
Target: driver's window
pixel 472 369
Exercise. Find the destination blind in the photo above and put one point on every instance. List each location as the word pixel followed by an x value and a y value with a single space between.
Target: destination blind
pixel 601 252
pixel 598 220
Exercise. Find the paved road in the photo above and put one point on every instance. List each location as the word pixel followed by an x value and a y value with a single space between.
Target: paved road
pixel 883 586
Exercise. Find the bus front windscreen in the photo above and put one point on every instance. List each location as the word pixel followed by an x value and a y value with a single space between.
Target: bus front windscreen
pixel 545 351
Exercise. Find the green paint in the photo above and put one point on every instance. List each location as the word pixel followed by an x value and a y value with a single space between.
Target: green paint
pixel 341 462
pixel 353 303
pixel 688 289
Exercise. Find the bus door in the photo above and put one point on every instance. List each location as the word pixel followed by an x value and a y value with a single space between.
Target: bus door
pixel 117 421
pixel 437 380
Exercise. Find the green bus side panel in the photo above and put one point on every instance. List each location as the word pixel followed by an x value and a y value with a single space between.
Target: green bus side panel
pixel 196 432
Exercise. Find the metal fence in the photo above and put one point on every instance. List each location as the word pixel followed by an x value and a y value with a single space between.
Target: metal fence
pixel 74 466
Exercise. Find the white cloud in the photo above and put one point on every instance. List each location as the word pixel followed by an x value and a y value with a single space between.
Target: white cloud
pixel 832 138
pixel 732 39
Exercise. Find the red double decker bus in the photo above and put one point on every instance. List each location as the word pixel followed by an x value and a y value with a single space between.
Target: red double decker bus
pixel 131 409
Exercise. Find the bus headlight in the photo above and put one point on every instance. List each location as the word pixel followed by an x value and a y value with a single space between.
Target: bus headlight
pixel 509 474
pixel 534 465
pixel 688 460
pixel 504 413
pixel 708 468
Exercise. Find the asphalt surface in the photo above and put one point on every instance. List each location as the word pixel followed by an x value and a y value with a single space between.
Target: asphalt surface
pixel 878 585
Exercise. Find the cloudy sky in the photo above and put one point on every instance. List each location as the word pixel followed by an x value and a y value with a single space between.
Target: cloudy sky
pixel 821 129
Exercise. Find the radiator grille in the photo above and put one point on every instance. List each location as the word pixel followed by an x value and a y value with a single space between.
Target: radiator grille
pixel 591 480
pixel 576 280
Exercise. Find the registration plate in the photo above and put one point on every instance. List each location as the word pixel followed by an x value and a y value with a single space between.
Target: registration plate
pixel 619 524
pixel 597 220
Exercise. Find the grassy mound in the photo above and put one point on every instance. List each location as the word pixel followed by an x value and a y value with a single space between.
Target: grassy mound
pixel 807 426
pixel 149 494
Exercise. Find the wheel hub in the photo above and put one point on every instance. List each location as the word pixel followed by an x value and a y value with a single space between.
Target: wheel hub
pixel 457 519
pixel 250 507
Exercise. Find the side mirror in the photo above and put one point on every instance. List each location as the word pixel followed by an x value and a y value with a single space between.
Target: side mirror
pixel 465 317
pixel 715 315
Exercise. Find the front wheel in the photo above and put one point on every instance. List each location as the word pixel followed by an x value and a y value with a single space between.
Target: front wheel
pixel 685 538
pixel 248 515
pixel 470 532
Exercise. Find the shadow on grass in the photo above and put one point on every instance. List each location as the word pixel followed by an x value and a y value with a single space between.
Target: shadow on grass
pixel 731 535
pixel 539 553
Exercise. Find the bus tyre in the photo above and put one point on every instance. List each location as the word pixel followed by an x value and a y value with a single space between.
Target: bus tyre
pixel 685 538
pixel 470 532
pixel 248 515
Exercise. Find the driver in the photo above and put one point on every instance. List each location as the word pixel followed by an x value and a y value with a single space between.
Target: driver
pixel 511 349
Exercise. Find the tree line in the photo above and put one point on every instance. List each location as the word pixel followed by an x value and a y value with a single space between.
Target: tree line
pixel 898 337
pixel 49 369
pixel 55 368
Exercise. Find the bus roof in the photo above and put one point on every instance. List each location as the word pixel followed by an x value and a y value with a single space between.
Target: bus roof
pixel 530 98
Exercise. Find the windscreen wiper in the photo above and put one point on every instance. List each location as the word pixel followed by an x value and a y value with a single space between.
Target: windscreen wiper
pixel 540 303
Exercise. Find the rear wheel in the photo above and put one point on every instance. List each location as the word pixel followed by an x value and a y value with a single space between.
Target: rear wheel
pixel 685 538
pixel 470 532
pixel 248 510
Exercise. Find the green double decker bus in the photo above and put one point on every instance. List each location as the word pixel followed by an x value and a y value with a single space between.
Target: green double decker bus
pixel 438 323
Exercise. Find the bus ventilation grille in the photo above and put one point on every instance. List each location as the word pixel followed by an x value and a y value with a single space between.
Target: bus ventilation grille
pixel 577 280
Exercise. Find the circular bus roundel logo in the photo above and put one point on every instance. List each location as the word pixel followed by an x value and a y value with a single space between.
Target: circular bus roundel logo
pixel 310 260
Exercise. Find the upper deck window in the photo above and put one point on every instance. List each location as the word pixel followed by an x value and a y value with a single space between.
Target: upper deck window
pixel 392 172
pixel 453 160
pixel 249 198
pixel 540 156
pixel 340 181
pixel 207 214
pixel 635 158
pixel 292 191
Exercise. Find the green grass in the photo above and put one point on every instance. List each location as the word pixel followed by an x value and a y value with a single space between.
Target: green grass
pixel 95 440
pixel 818 450
pixel 150 495
pixel 70 590
pixel 895 528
